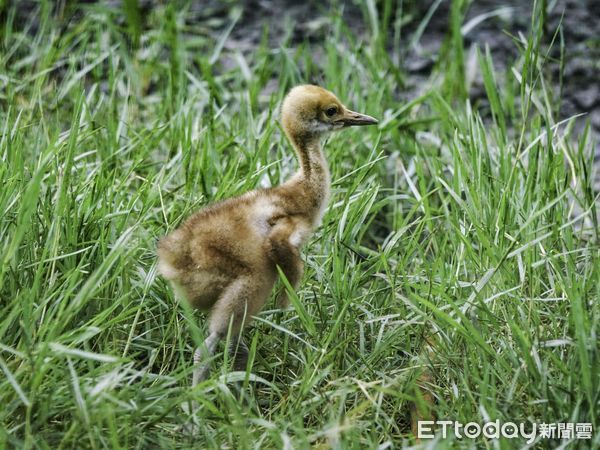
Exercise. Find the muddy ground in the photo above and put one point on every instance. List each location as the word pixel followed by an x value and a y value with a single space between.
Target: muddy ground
pixel 307 21
pixel 580 87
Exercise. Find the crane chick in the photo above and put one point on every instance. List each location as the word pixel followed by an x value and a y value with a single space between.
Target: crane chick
pixel 224 258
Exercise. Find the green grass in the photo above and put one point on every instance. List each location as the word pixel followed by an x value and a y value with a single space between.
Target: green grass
pixel 473 224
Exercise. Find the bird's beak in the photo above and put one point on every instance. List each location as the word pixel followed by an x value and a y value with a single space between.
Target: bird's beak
pixel 351 118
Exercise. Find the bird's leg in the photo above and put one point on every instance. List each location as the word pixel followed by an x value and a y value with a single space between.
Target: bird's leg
pixel 287 257
pixel 293 272
pixel 243 298
pixel 239 350
pixel 202 356
pixel 224 310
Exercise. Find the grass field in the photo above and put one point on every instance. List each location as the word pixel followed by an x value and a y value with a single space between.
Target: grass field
pixel 471 225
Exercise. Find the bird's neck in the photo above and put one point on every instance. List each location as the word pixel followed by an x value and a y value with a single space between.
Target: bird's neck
pixel 312 178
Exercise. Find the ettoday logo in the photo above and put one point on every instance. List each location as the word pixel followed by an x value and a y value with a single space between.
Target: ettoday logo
pixel 495 430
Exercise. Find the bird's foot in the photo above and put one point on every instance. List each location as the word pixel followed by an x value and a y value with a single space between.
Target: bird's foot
pixel 192 426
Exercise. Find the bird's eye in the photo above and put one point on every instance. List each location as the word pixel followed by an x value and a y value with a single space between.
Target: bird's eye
pixel 331 111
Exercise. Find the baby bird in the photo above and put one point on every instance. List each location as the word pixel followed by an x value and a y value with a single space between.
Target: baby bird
pixel 224 258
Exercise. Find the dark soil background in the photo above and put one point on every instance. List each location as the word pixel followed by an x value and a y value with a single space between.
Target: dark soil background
pixel 298 22
pixel 578 85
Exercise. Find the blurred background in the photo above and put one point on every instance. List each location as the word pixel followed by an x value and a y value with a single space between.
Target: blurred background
pixel 414 32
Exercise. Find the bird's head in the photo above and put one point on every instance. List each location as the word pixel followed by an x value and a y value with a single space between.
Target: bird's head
pixel 311 111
